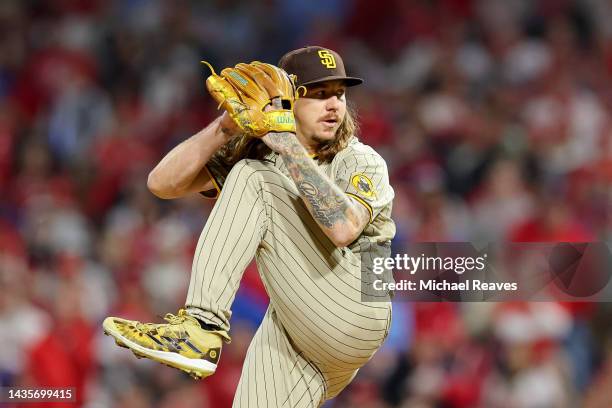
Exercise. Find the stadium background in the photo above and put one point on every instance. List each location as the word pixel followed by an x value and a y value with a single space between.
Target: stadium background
pixel 495 120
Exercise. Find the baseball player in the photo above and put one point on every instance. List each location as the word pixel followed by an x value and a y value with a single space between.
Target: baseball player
pixel 308 205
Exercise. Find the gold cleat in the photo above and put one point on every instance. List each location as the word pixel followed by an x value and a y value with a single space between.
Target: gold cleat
pixel 180 343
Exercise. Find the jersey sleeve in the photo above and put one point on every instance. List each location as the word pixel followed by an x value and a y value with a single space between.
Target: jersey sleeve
pixel 365 178
pixel 218 172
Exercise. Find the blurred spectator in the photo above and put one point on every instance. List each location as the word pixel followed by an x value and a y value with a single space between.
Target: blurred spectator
pixel 493 116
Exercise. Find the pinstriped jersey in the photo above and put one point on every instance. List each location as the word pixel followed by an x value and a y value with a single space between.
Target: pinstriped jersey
pixel 360 172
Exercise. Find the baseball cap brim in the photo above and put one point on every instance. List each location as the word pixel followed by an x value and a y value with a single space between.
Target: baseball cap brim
pixel 349 81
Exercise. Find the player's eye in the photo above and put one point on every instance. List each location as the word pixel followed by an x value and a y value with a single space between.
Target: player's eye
pixel 326 93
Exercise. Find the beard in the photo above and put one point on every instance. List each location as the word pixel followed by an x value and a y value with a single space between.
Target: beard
pixel 322 141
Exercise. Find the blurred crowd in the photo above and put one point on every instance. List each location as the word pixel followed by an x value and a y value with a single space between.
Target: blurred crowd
pixel 495 118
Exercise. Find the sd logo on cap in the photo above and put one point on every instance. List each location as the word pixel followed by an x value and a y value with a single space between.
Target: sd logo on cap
pixel 314 64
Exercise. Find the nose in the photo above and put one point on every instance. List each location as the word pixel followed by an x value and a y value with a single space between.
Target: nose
pixel 333 103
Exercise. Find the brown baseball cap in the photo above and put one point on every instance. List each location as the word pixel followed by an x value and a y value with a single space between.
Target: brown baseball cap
pixel 314 64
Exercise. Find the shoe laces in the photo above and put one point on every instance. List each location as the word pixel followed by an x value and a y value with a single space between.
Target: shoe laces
pixel 169 317
pixel 178 318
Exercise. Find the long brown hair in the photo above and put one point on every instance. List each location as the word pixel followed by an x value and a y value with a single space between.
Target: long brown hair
pixel 246 147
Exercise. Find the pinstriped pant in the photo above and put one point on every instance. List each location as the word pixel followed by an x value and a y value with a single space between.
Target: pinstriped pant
pixel 317 332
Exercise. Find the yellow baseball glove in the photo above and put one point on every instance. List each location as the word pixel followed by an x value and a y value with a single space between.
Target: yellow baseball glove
pixel 246 90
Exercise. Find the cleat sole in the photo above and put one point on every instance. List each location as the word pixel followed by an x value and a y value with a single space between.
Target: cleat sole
pixel 117 342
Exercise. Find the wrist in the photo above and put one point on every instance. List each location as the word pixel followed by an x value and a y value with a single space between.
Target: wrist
pixel 227 127
pixel 209 138
pixel 284 143
pixel 226 134
pixel 220 135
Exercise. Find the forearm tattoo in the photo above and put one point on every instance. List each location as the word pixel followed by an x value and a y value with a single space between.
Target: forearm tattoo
pixel 329 205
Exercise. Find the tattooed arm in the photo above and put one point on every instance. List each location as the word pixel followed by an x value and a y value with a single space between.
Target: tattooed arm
pixel 340 217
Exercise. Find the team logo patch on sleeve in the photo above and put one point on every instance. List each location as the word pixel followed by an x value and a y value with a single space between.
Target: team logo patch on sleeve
pixel 363 185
